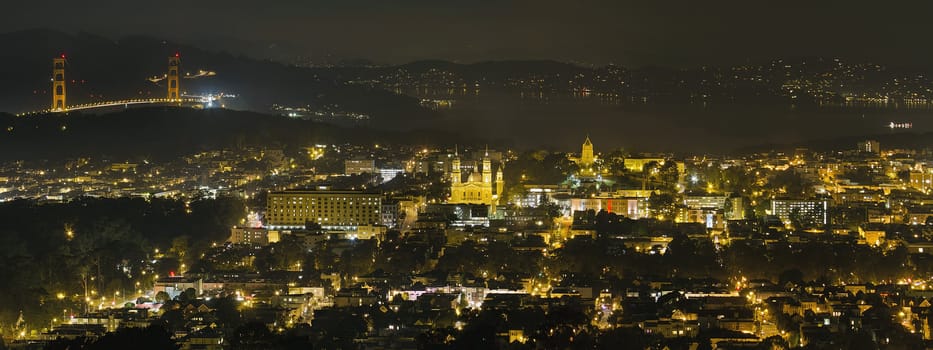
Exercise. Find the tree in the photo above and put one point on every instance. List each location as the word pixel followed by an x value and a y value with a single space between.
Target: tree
pixel 225 309
pixel 793 276
pixel 162 297
pixel 252 335
pixel 173 319
pixel 737 180
pixel 859 175
pixel 669 174
pixel 480 332
pixel 552 209
pixel 296 338
pixel 791 183
pixel 358 259
pixel 180 247
pixel 774 342
pixel 98 244
pixel 663 205
pixel 338 329
pixel 152 337
pixel 189 294
pixel 623 338
pixel 797 220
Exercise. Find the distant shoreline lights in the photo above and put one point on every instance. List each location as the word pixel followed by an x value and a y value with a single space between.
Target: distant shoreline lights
pixel 894 125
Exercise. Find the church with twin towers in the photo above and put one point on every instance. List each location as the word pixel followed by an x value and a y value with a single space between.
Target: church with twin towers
pixel 476 185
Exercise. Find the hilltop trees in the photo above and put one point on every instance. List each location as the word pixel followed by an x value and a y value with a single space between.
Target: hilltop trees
pixel 52 254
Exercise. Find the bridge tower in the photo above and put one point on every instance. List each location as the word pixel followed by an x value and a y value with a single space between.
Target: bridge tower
pixel 174 85
pixel 58 84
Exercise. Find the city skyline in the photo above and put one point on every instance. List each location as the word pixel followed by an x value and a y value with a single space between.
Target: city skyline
pixel 414 174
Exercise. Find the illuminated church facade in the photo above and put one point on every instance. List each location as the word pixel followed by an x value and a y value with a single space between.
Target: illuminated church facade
pixel 478 186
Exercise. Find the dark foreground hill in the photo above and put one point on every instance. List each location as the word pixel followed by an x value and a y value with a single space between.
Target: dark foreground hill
pixel 165 132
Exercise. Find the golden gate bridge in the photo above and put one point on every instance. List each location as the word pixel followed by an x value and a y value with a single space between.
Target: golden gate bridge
pixel 173 94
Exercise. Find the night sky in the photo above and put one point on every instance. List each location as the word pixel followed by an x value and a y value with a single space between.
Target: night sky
pixel 673 32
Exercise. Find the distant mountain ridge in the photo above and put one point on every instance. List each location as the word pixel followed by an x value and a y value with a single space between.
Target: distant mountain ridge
pixel 800 80
pixel 105 69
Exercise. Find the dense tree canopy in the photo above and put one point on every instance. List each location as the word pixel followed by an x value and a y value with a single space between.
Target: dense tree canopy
pixel 50 254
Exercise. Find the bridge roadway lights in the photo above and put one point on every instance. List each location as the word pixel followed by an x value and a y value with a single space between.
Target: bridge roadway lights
pixel 113 104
